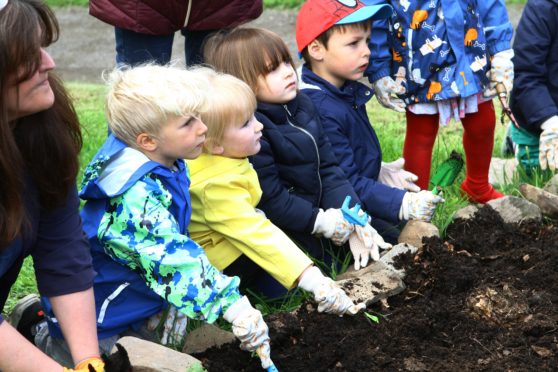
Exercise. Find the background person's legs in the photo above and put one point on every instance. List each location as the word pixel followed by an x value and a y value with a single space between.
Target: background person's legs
pixel 133 48
pixel 193 43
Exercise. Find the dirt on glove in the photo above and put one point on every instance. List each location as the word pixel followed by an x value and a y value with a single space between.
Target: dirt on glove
pixel 485 298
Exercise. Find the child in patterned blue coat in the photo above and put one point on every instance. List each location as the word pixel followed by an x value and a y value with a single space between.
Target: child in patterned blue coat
pixel 443 60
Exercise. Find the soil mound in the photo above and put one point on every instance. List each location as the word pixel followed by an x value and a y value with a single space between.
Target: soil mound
pixel 482 299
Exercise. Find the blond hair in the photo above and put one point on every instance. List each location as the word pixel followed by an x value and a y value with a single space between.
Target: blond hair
pixel 142 99
pixel 246 53
pixel 232 102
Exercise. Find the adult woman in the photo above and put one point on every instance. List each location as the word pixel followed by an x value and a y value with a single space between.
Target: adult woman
pixel 39 143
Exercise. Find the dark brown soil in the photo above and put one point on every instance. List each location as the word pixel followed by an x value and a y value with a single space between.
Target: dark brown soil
pixel 483 299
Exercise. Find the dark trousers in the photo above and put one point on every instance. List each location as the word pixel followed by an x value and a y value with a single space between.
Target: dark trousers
pixel 133 48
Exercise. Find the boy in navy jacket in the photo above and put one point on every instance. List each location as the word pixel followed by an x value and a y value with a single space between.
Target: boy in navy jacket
pixel 332 39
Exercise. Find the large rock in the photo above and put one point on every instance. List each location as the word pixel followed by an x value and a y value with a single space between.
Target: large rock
pixel 414 231
pixel 377 281
pixel 514 210
pixel 547 202
pixel 205 337
pixel 146 356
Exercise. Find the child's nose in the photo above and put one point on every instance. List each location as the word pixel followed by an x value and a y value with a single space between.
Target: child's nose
pixel 258 127
pixel 202 128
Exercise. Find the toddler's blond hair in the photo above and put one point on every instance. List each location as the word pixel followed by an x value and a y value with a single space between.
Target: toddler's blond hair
pixel 232 102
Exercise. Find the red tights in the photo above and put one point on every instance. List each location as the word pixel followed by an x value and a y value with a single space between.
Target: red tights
pixel 478 142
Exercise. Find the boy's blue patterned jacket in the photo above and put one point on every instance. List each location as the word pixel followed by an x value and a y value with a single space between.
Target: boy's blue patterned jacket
pixel 136 218
pixel 443 47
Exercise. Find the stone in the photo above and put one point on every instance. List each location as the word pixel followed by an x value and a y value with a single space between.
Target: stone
pixel 502 171
pixel 205 337
pixel 514 210
pixel 546 201
pixel 147 356
pixel 389 257
pixel 552 185
pixel 371 284
pixel 414 231
pixel 466 213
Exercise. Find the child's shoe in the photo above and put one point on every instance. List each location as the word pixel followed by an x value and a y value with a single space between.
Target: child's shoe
pixel 481 194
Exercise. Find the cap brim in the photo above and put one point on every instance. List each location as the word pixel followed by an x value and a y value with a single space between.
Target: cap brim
pixel 367 12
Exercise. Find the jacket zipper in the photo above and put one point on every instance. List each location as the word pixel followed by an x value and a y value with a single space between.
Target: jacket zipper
pixel 315 147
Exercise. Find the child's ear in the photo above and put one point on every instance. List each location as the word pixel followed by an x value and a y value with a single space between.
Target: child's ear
pixel 146 142
pixel 214 148
pixel 316 50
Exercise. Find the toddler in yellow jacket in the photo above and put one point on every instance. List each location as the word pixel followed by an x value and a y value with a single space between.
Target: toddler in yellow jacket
pixel 236 237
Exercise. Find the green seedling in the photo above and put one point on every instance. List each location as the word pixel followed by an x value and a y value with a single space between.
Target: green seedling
pixel 373 318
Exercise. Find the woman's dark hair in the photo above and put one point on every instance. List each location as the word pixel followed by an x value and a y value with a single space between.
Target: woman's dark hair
pixel 43 146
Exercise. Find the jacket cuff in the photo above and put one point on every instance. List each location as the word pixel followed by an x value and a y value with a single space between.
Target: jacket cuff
pixel 378 75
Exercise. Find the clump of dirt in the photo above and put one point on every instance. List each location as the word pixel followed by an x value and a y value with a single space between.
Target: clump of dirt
pixel 482 299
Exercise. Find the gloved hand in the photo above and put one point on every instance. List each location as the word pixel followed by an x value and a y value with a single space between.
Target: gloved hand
pixel 548 144
pixel 173 324
pixel 247 325
pixel 419 205
pixel 393 174
pixel 364 243
pixel 501 71
pixel 332 225
pixel 94 363
pixel 331 298
pixel 386 89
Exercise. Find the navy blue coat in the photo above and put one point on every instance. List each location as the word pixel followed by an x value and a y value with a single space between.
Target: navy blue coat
pixel 296 167
pixel 354 141
pixel 535 90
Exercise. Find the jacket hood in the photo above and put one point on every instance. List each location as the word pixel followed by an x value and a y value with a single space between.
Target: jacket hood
pixel 113 170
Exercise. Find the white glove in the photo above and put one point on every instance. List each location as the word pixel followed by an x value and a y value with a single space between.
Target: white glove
pixel 419 205
pixel 548 144
pixel 332 225
pixel 174 326
pixel 330 297
pixel 364 243
pixel 393 174
pixel 247 325
pixel 501 71
pixel 386 89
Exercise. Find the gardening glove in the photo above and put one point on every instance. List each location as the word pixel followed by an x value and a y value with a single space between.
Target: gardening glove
pixel 393 174
pixel 247 325
pixel 364 243
pixel 386 89
pixel 331 298
pixel 501 71
pixel 419 205
pixel 173 327
pixel 332 225
pixel 90 364
pixel 548 144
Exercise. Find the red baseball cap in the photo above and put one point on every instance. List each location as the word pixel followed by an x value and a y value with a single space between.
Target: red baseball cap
pixel 317 16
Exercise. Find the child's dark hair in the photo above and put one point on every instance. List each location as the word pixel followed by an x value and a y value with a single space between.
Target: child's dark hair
pixel 246 53
pixel 324 37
